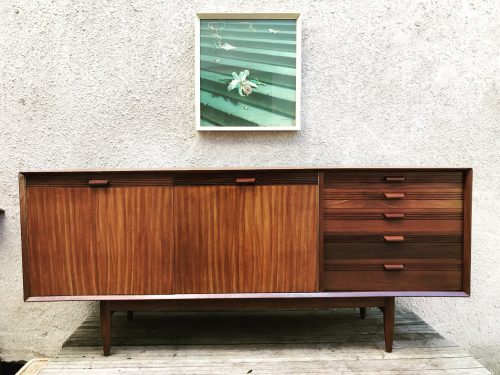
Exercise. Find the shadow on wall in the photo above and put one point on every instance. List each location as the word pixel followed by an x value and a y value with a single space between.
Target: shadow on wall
pixel 2 239
pixel 2 221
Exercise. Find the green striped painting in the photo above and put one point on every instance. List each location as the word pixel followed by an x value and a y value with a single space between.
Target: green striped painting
pixel 247 74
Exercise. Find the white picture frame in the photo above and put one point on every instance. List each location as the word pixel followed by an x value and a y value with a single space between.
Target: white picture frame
pixel 261 100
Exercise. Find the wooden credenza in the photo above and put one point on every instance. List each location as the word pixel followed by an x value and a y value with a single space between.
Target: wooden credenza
pixel 292 238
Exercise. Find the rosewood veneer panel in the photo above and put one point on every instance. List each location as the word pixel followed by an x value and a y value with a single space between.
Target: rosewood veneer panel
pixel 134 239
pixel 246 238
pixel 61 248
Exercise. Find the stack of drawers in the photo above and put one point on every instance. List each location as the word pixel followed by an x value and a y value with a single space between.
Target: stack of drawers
pixel 393 230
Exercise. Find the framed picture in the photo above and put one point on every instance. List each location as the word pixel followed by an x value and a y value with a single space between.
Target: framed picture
pixel 247 71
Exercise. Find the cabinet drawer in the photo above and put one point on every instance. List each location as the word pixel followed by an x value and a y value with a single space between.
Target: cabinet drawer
pixel 384 199
pixel 407 179
pixel 397 227
pixel 396 275
pixel 420 202
pixel 247 178
pixel 376 247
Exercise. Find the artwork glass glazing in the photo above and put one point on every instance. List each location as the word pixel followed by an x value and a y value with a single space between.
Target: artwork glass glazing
pixel 247 74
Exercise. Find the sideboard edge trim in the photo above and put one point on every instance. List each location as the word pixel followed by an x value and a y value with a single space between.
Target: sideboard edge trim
pixel 23 216
pixel 247 296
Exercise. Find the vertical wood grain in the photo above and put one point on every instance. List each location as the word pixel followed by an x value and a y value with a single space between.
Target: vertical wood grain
pixel 246 239
pixel 134 239
pixel 467 223
pixel 61 244
pixel 206 233
pixel 321 229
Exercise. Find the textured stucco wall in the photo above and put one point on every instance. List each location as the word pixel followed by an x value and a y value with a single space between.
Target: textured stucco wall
pixel 100 84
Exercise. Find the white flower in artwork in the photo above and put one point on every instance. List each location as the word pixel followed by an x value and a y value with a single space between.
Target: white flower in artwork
pixel 227 46
pixel 241 82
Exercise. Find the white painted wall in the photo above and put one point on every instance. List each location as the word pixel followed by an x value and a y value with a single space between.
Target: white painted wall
pixel 99 84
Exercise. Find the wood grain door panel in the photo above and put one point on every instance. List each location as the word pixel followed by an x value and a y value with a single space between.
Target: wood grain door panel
pixel 206 235
pixel 232 239
pixel 278 241
pixel 61 251
pixel 134 240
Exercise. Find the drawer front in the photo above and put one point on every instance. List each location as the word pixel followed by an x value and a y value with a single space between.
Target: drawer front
pixel 407 179
pixel 394 275
pixel 404 247
pixel 393 221
pixel 450 202
pixel 392 198
pixel 398 227
pixel 232 178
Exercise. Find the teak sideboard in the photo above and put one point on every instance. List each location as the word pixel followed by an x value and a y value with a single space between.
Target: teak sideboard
pixel 232 239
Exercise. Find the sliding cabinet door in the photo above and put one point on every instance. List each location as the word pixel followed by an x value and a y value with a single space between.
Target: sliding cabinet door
pixel 278 239
pixel 249 238
pixel 206 236
pixel 61 252
pixel 134 239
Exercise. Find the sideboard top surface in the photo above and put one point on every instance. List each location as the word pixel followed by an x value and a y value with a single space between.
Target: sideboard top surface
pixel 236 169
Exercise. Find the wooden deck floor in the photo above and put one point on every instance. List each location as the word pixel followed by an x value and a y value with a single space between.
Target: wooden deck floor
pixel 322 342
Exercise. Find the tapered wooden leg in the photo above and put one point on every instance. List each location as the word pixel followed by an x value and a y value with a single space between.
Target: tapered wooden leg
pixel 362 312
pixel 130 315
pixel 389 323
pixel 105 327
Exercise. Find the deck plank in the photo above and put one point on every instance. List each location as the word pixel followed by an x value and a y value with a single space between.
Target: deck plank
pixel 319 342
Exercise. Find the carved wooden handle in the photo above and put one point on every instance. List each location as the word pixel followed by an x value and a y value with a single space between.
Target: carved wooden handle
pixel 395 178
pixel 98 183
pixel 394 267
pixel 394 216
pixel 394 238
pixel 245 180
pixel 394 195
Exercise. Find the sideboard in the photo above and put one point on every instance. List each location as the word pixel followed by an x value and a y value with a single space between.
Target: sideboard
pixel 255 238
